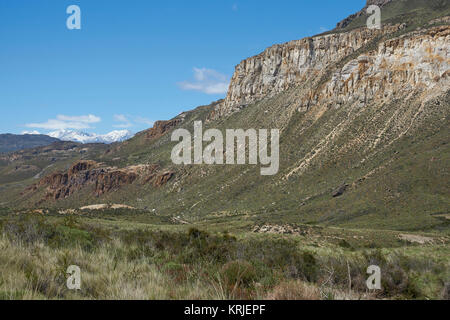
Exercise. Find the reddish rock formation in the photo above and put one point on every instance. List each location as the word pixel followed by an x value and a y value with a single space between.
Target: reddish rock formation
pixel 61 185
pixel 109 181
pixel 163 178
pixel 82 166
pixel 161 127
pixel 103 179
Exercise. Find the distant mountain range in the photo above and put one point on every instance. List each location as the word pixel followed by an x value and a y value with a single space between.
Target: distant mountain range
pixel 12 142
pixel 83 137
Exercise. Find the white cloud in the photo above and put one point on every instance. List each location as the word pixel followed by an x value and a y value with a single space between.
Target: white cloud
pixel 31 132
pixel 208 81
pixel 87 119
pixel 63 122
pixel 127 121
pixel 145 121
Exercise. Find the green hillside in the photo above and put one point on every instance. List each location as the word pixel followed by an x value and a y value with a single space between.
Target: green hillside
pixel 415 13
pixel 12 142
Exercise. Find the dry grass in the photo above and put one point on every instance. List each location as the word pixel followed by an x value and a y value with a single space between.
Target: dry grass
pixel 197 265
pixel 294 290
pixel 38 272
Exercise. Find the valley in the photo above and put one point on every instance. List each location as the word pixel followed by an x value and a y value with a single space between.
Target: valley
pixel 362 179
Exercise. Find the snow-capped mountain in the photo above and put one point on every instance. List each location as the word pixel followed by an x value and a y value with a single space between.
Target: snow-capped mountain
pixel 116 136
pixel 84 137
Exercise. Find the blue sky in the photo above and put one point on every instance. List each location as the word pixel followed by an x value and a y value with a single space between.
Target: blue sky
pixel 136 61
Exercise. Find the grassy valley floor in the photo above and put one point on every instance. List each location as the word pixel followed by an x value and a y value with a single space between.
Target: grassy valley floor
pixel 120 258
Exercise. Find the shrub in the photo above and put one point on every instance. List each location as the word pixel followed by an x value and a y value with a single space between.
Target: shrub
pixel 194 233
pixel 70 221
pixel 63 236
pixel 303 266
pixel 28 229
pixel 238 273
pixel 344 244
pixel 177 272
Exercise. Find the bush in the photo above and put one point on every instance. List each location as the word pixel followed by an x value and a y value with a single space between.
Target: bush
pixel 303 266
pixel 177 272
pixel 63 236
pixel 238 274
pixel 27 229
pixel 344 244
pixel 30 229
pixel 194 233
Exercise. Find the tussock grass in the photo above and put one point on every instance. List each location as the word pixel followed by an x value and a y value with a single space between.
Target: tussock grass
pixel 194 264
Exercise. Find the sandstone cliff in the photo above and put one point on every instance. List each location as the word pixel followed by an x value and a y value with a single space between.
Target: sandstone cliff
pixel 418 58
pixel 282 66
pixel 415 61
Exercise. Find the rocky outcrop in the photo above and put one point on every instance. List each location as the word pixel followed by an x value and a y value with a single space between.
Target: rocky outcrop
pixel 63 184
pixel 291 64
pixel 81 166
pixel 414 60
pixel 283 229
pixel 102 179
pixel 163 178
pixel 420 60
pixel 162 127
pixel 113 180
pixel 340 191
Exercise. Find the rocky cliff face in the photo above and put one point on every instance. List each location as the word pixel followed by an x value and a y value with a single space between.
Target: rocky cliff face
pixel 282 66
pixel 102 179
pixel 415 59
pixel 162 127
pixel 420 60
